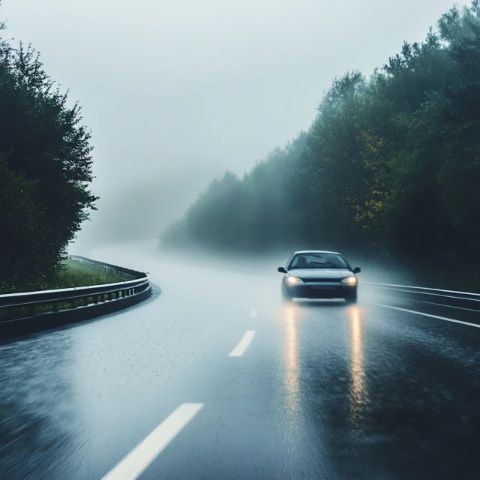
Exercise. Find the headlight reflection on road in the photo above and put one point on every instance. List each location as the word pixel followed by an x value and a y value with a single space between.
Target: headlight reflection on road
pixel 290 356
pixel 357 368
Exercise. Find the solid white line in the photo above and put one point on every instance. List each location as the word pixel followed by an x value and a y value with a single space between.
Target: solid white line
pixel 132 466
pixel 388 289
pixel 448 306
pixel 420 288
pixel 427 315
pixel 243 344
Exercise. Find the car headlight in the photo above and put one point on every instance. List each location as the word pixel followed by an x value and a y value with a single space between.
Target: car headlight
pixel 293 281
pixel 350 281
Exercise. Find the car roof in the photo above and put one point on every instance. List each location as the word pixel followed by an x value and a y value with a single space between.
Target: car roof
pixel 315 251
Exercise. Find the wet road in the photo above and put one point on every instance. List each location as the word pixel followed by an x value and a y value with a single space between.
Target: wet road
pixel 216 378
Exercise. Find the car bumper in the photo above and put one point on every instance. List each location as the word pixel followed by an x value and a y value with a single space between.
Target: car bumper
pixel 320 291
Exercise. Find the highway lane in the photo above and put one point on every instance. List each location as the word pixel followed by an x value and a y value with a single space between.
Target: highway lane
pixel 216 378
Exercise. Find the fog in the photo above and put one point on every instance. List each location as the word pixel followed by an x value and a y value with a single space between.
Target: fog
pixel 177 92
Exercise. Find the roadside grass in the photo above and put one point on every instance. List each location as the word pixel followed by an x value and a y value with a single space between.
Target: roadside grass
pixel 74 273
pixel 70 273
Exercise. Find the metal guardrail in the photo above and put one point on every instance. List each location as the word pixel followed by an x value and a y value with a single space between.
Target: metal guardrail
pixel 436 296
pixel 32 311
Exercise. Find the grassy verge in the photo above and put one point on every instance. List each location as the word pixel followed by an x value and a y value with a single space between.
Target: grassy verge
pixel 70 273
pixel 74 273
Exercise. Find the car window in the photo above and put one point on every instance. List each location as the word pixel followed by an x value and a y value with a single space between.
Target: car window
pixel 318 260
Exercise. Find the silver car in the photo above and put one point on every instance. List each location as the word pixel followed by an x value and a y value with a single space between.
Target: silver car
pixel 319 274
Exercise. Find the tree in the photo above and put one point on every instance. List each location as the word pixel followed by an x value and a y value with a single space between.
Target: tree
pixel 45 170
pixel 390 165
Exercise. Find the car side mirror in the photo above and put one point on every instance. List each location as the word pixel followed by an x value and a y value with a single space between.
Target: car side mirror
pixel 282 270
pixel 357 270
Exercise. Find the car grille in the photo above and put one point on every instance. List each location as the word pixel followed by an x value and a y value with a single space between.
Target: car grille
pixel 321 280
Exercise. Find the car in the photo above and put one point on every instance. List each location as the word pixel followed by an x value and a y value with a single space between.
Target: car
pixel 316 274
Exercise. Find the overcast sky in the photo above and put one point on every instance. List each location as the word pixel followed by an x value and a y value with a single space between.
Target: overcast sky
pixel 177 91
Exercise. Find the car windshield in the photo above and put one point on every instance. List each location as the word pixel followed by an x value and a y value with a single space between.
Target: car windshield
pixel 317 260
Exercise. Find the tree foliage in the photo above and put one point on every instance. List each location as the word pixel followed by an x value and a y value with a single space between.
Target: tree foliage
pixel 390 163
pixel 45 170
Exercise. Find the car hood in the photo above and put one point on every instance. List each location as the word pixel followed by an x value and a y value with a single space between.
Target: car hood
pixel 320 272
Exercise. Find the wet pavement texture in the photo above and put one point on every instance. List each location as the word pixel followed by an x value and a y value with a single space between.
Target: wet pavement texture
pixel 324 390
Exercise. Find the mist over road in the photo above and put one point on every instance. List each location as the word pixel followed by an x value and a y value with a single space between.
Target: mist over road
pixel 217 378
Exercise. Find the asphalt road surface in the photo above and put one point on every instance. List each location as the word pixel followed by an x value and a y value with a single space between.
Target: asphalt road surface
pixel 216 378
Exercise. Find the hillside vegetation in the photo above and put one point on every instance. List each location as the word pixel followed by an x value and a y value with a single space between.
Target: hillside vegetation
pixel 391 164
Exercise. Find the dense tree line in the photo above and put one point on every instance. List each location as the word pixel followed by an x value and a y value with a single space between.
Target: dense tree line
pixel 391 163
pixel 45 169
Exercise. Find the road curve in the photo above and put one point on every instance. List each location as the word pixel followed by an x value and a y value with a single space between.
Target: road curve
pixel 217 378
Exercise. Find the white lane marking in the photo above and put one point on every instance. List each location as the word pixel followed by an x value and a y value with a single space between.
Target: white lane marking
pixel 427 315
pixel 441 295
pixel 243 344
pixel 449 306
pixel 421 288
pixel 132 466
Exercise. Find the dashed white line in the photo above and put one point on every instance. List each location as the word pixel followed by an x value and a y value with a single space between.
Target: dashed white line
pixel 438 317
pixel 243 344
pixel 132 466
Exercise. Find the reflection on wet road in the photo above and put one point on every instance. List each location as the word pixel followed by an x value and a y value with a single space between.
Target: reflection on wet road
pixel 357 374
pixel 290 356
pixel 313 390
